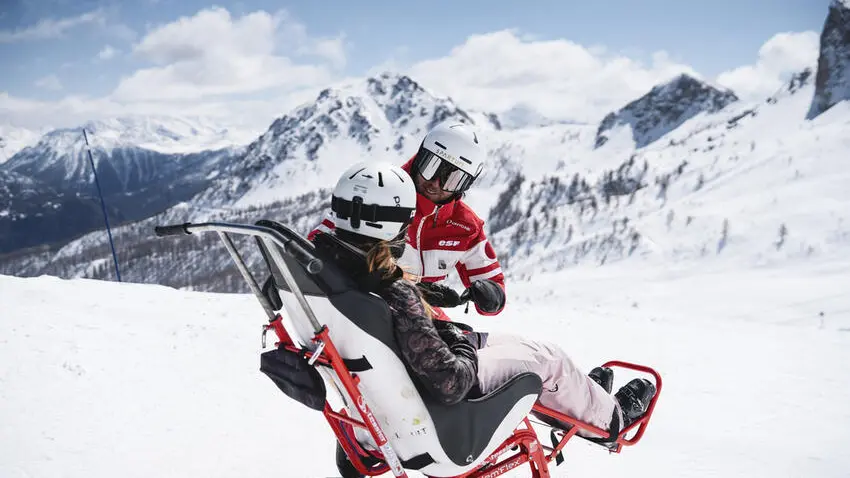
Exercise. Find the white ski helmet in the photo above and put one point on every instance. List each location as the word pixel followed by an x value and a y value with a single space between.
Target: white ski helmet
pixel 453 152
pixel 374 199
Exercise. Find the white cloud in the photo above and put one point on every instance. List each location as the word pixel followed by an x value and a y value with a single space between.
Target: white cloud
pixel 49 82
pixel 331 49
pixel 211 64
pixel 51 28
pixel 107 53
pixel 779 57
pixel 559 78
pixel 213 54
pixel 254 114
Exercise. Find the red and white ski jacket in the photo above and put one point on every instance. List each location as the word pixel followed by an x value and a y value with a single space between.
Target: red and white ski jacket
pixel 442 237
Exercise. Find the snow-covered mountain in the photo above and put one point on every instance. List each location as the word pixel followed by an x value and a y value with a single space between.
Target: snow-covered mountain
pixel 138 171
pixel 754 178
pixel 143 257
pixel 663 109
pixel 832 83
pixel 384 117
pixel 33 213
pixel 14 139
pixel 131 151
pixel 743 178
pixel 552 199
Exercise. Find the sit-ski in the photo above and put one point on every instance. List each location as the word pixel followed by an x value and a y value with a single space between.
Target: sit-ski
pixel 351 351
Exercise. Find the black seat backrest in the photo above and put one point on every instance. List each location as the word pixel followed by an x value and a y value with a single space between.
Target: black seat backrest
pixel 368 311
pixel 310 284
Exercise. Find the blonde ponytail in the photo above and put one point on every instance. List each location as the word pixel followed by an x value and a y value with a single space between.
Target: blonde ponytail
pixel 380 258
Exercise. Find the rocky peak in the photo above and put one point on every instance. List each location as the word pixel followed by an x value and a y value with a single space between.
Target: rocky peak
pixel 665 108
pixel 403 100
pixel 832 83
pixel 795 83
pixel 384 116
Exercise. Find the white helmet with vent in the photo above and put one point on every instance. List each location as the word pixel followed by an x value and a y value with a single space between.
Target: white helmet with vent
pixel 453 152
pixel 374 199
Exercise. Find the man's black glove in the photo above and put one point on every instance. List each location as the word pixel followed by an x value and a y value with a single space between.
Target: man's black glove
pixel 487 295
pixel 439 295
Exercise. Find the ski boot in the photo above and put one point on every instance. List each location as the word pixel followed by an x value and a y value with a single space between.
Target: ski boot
pixel 604 376
pixel 634 398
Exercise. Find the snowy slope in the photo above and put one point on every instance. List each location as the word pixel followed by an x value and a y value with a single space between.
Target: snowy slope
pixel 101 379
pixel 14 139
pixel 760 168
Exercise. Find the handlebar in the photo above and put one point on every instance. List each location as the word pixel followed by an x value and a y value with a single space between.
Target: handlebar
pixel 310 262
pixel 172 230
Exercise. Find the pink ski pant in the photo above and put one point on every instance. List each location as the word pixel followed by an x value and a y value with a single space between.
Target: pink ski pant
pixel 565 388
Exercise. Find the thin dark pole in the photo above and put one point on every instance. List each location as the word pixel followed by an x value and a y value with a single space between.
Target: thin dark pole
pixel 103 206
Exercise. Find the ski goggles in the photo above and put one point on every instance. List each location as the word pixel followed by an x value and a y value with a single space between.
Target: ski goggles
pixel 451 178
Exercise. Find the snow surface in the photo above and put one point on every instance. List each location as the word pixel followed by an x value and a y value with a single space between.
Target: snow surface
pixel 101 379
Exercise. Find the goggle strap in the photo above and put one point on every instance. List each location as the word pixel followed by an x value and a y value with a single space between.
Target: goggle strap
pixel 357 211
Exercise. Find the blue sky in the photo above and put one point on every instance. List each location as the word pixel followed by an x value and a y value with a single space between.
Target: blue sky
pixel 53 50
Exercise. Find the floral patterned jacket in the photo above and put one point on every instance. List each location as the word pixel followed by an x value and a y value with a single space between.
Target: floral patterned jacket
pixel 438 354
pixel 446 365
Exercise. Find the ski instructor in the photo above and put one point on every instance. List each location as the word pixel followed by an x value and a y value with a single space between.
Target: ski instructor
pixel 445 232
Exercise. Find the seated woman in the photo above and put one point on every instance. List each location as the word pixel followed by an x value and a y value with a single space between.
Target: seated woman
pixel 372 204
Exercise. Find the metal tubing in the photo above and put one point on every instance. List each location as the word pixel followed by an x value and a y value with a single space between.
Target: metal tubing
pixel 293 286
pixel 246 274
pixel 265 234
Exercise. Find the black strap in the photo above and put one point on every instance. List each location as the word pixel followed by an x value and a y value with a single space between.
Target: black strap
pixel 613 434
pixel 357 211
pixel 354 365
pixel 357 365
pixel 417 462
pixel 559 458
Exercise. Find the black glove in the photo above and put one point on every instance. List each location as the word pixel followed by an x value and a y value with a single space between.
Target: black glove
pixel 439 295
pixel 487 295
pixel 456 332
pixel 450 333
pixel 456 340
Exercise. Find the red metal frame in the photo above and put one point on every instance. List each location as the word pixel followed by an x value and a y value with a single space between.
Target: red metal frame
pixel 523 443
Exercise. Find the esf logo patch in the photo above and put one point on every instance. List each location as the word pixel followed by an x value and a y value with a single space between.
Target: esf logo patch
pixel 446 243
